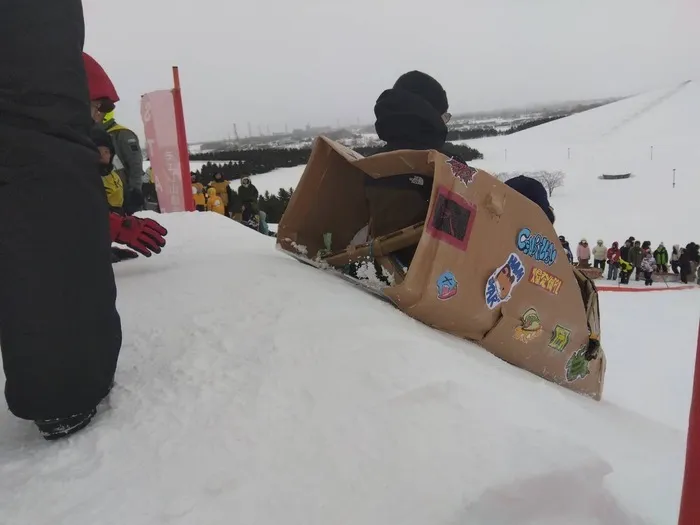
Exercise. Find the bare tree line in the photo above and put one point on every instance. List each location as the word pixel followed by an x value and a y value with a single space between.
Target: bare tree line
pixel 551 180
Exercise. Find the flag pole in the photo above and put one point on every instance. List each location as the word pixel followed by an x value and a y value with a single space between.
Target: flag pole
pixel 182 140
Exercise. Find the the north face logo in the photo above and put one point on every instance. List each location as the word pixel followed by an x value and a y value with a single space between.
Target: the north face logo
pixel 417 180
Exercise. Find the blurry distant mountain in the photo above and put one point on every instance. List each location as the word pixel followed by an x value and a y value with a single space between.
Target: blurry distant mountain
pixel 569 107
pixel 463 126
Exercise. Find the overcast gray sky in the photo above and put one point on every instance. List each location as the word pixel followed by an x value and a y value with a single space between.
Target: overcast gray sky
pixel 271 62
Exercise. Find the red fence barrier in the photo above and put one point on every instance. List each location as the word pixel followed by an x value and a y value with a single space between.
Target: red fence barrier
pixel 645 289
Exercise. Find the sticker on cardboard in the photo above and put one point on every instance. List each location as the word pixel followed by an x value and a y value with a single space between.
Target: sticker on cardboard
pixel 446 286
pixel 536 246
pixel 462 171
pixel 452 219
pixel 560 338
pixel 531 327
pixel 500 285
pixel 545 280
pixel 577 367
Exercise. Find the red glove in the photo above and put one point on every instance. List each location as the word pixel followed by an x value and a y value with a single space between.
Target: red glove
pixel 143 235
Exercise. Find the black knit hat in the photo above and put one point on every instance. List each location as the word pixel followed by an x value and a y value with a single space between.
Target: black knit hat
pixel 533 190
pixel 426 87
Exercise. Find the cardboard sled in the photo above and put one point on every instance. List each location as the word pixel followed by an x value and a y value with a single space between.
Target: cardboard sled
pixel 488 265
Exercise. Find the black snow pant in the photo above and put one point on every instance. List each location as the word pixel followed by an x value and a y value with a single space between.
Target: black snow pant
pixel 674 267
pixel 625 277
pixel 60 333
pixel 647 278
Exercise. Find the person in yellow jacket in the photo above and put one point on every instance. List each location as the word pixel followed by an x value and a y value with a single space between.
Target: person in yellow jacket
pixel 200 200
pixel 128 162
pixel 113 184
pixel 214 202
pixel 222 188
pixel 625 271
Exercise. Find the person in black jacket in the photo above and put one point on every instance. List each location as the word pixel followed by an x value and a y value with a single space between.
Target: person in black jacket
pixel 413 114
pixel 60 332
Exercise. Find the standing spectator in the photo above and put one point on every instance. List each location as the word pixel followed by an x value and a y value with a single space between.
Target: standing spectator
pixel 635 260
pixel 248 195
pixel 150 195
pixel 128 162
pixel 221 186
pixel 200 200
pixel 111 180
pixel 693 252
pixel 214 202
pixel 684 265
pixel 600 252
pixel 613 257
pixel 675 257
pixel 625 250
pixel 661 257
pixel 264 228
pixel 567 249
pixel 648 267
pixel 583 254
pixel 646 247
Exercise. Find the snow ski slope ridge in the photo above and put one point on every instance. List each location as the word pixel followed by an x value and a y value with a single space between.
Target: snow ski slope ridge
pixel 254 389
pixel 654 103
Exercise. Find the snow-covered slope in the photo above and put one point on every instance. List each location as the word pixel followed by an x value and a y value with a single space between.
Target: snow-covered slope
pixel 649 135
pixel 253 389
pixel 274 180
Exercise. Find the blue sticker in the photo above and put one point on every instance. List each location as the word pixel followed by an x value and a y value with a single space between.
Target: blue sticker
pixel 537 246
pixel 500 285
pixel 446 286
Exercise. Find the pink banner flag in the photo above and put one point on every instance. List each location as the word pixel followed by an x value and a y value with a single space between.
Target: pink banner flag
pixel 171 167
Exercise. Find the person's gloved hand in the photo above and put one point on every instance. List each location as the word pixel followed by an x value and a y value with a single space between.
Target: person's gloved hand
pixel 143 235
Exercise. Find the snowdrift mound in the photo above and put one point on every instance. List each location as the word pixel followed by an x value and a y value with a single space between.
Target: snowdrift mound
pixel 653 136
pixel 254 389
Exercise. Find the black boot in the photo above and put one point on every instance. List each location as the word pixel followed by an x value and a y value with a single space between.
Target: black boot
pixel 57 428
pixel 60 427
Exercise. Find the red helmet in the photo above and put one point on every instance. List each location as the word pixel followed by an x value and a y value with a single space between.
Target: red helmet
pixel 99 83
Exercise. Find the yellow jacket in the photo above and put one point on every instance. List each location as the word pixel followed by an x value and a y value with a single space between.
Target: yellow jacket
pixel 221 190
pixel 214 202
pixel 114 188
pixel 198 194
pixel 625 266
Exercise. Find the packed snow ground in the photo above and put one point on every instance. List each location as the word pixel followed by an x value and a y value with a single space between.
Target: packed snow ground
pixel 254 389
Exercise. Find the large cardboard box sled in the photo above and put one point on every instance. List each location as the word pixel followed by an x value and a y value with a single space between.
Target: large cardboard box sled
pixel 485 262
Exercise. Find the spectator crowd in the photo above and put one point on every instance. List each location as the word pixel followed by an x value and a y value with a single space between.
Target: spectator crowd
pixel 638 258
pixel 219 197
